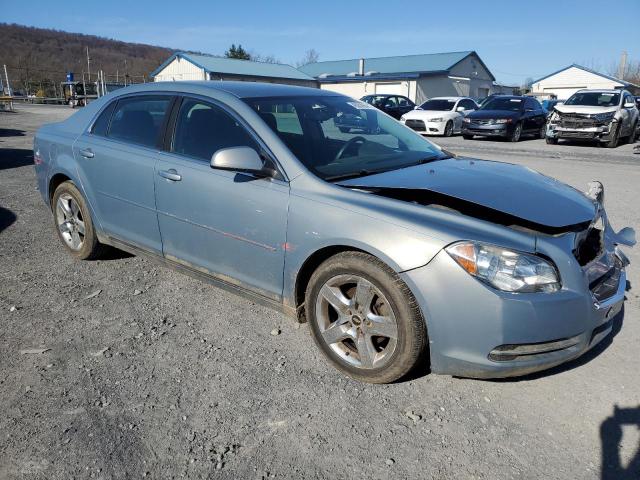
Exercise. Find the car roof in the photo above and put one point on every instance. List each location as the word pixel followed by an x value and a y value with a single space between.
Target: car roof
pixel 238 89
pixel 601 90
pixel 385 95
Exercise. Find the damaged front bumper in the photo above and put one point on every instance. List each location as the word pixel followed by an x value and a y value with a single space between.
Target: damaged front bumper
pixel 602 133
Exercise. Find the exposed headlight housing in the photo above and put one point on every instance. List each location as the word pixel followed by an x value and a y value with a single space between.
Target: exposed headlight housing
pixel 555 117
pixel 604 117
pixel 503 120
pixel 504 269
pixel 437 119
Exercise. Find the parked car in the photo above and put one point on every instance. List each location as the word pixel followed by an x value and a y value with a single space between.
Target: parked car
pixel 637 102
pixel 506 116
pixel 394 251
pixel 394 105
pixel 439 115
pixel 604 116
pixel 549 105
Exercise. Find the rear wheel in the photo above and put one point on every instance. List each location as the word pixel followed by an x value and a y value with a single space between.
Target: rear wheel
pixel 73 222
pixel 448 129
pixel 516 134
pixel 364 318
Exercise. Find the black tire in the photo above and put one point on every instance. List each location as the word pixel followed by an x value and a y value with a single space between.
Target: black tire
pixel 543 132
pixel 552 141
pixel 516 134
pixel 467 137
pixel 411 344
pixel 613 143
pixel 632 135
pixel 91 247
pixel 344 129
pixel 448 129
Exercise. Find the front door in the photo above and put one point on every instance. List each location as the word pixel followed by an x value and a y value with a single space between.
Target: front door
pixel 116 164
pixel 229 224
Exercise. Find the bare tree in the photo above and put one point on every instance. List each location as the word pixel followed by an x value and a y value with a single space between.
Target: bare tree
pixel 256 57
pixel 310 56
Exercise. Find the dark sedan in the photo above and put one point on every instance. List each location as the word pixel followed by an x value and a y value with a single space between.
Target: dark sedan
pixel 394 105
pixel 507 117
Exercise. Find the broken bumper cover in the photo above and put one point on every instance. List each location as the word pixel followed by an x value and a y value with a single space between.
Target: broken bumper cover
pixel 602 133
pixel 479 332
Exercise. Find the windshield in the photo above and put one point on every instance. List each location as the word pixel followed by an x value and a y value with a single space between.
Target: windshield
pixel 594 99
pixel 337 137
pixel 440 105
pixel 502 103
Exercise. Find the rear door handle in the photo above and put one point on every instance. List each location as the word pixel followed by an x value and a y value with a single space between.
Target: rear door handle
pixel 170 174
pixel 87 153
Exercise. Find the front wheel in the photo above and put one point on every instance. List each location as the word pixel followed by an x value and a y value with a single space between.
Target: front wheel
pixel 467 137
pixel 552 141
pixel 448 129
pixel 517 132
pixel 543 131
pixel 364 318
pixel 613 143
pixel 73 222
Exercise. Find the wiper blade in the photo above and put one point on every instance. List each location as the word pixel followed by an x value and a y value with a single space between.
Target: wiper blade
pixel 350 175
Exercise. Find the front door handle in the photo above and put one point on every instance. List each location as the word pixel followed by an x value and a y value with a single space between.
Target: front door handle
pixel 170 174
pixel 87 153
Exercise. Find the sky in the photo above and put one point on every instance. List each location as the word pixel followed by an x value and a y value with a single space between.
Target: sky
pixel 516 40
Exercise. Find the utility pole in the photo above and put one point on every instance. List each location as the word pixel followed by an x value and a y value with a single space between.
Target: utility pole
pixel 623 65
pixel 88 64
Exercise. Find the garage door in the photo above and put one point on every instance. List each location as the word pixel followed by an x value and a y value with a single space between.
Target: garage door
pixel 395 88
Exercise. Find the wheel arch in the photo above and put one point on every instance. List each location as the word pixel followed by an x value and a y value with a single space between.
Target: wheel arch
pixel 54 182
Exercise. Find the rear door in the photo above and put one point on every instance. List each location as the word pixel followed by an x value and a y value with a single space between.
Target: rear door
pixel 229 224
pixel 116 163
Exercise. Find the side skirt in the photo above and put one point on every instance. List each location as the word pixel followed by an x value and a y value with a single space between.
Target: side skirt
pixel 204 276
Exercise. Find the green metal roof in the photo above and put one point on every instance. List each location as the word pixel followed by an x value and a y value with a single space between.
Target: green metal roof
pixel 234 66
pixel 427 63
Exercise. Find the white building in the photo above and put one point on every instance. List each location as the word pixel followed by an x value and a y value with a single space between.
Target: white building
pixel 191 66
pixel 567 81
pixel 418 77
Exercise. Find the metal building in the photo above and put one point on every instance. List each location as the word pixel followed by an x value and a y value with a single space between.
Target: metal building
pixel 418 77
pixel 566 81
pixel 191 66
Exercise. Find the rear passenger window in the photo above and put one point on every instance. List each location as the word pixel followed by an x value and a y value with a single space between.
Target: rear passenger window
pixel 101 124
pixel 203 129
pixel 139 119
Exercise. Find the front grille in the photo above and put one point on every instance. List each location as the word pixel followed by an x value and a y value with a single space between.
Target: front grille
pixel 578 120
pixel 415 124
pixel 563 134
pixel 607 285
pixel 488 121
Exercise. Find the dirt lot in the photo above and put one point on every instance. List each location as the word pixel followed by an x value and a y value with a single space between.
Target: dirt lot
pixel 151 373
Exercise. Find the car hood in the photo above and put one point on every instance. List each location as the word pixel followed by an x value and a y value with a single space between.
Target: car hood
pixel 485 114
pixel 584 109
pixel 521 195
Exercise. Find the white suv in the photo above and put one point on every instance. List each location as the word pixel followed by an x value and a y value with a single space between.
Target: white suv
pixel 606 116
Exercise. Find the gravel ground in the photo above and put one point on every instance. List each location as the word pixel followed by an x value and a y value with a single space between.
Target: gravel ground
pixel 149 373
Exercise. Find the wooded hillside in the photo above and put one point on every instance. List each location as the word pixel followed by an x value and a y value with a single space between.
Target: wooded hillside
pixel 36 55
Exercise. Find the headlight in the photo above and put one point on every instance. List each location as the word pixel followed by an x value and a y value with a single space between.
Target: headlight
pixel 503 120
pixel 604 117
pixel 504 269
pixel 437 119
pixel 403 118
pixel 466 120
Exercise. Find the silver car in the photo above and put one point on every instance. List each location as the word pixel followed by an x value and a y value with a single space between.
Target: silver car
pixel 395 252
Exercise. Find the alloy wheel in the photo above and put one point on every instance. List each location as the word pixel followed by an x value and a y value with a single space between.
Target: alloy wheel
pixel 356 321
pixel 70 221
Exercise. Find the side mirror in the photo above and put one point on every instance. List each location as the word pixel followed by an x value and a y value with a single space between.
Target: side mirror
pixel 629 105
pixel 460 109
pixel 417 107
pixel 241 159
